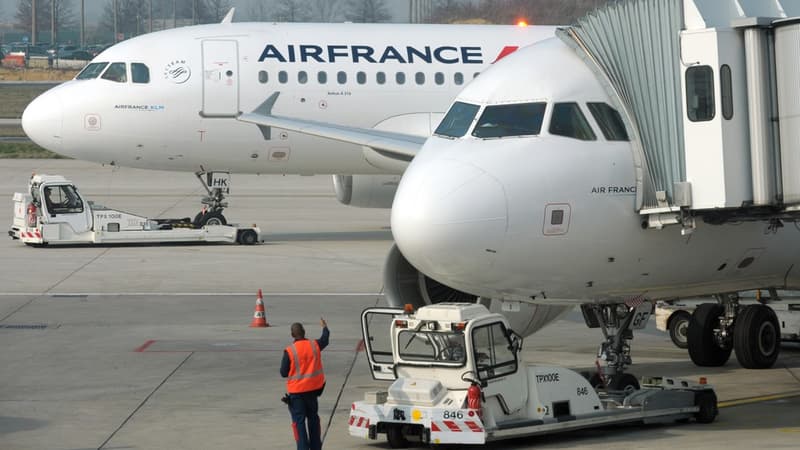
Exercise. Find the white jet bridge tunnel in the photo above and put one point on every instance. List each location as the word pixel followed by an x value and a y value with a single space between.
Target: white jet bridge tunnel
pixel 710 92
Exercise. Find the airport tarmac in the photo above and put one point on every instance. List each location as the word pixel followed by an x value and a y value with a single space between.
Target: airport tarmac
pixel 148 347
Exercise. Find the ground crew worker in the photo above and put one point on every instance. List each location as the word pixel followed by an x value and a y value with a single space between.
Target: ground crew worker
pixel 302 366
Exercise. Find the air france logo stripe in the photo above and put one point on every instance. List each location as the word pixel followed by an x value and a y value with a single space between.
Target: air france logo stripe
pixel 366 54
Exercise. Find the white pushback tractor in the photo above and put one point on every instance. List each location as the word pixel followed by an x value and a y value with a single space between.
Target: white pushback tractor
pixel 52 211
pixel 458 379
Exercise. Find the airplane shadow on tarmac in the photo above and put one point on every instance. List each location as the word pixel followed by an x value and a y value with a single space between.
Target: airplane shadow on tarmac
pixel 15 424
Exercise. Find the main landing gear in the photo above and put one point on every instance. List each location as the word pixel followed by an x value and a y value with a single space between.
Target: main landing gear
pixel 617 322
pixel 716 329
pixel 217 186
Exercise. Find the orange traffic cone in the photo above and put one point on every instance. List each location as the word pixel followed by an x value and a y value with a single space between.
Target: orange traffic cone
pixel 260 315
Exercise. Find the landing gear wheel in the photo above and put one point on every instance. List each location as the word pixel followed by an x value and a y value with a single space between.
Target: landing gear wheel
pixel 209 218
pixel 248 237
pixel 756 337
pixel 394 434
pixel 703 347
pixel 678 327
pixel 707 401
pixel 625 382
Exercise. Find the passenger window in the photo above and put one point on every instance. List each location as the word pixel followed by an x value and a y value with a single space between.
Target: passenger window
pixel 322 77
pixel 419 78
pixel 91 71
pixel 494 356
pixel 283 77
pixel 263 76
pixel 380 77
pixel 458 78
pixel 458 120
pixel 569 121
pixel 609 120
pixel 341 77
pixel 726 87
pixel 521 119
pixel 302 77
pixel 140 73
pixel 361 77
pixel 700 93
pixel 116 72
pixel 400 78
pixel 439 78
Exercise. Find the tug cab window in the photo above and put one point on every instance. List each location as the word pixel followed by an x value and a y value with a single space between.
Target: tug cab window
pixel 62 200
pixel 92 71
pixel 700 93
pixel 140 73
pixel 521 119
pixel 458 120
pixel 116 72
pixel 609 120
pixel 494 356
pixel 569 121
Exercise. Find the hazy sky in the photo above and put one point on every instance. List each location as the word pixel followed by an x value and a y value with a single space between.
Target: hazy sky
pixel 8 8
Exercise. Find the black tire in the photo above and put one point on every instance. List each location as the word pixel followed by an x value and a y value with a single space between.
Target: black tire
pixel 757 337
pixel 394 434
pixel 703 348
pixel 707 401
pixel 248 237
pixel 678 328
pixel 625 382
pixel 209 218
pixel 596 382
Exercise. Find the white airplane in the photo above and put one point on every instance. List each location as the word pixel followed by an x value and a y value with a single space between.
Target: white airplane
pixel 210 98
pixel 526 195
pixel 178 99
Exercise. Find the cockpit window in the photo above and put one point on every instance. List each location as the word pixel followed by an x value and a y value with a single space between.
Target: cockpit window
pixel 458 120
pixel 116 72
pixel 609 120
pixel 521 119
pixel 91 71
pixel 140 73
pixel 569 121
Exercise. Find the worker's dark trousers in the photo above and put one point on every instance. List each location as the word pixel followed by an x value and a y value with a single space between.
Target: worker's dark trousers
pixel 304 410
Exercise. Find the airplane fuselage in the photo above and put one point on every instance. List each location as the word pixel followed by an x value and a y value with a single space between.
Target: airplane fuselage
pixel 392 77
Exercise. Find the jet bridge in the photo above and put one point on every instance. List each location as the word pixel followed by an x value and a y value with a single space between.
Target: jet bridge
pixel 709 92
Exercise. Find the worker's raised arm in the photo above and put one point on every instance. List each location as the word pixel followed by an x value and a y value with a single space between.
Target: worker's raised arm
pixel 323 340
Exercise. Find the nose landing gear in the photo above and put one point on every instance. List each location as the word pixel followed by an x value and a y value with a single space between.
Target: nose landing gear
pixel 217 186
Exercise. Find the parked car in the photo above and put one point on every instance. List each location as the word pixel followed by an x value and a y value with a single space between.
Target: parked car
pixel 81 55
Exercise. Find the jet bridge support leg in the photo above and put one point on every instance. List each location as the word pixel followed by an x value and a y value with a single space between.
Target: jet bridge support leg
pixel 217 186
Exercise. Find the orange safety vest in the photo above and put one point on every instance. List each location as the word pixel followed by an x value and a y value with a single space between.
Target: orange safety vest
pixel 305 369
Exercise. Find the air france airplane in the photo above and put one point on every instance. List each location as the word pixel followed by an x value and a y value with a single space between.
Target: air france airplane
pixel 502 203
pixel 174 99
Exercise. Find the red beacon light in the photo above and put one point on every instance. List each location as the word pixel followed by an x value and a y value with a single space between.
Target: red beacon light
pixel 408 308
pixel 522 23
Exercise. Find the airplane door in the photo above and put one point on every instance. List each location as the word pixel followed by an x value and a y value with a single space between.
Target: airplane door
pixel 376 326
pixel 220 78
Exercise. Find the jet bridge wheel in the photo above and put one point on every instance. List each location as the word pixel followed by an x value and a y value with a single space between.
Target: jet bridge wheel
pixel 703 347
pixel 756 337
pixel 678 327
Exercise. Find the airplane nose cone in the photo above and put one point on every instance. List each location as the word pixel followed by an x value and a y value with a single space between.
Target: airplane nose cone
pixel 42 120
pixel 449 219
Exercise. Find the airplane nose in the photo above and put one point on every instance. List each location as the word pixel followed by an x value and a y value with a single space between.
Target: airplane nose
pixel 449 219
pixel 42 121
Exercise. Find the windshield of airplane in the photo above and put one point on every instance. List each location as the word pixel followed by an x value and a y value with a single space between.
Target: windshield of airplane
pixel 521 119
pixel 458 120
pixel 91 71
pixel 116 72
pixel 432 346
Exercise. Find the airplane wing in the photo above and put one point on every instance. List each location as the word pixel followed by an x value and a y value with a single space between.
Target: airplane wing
pixel 393 145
